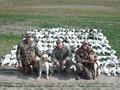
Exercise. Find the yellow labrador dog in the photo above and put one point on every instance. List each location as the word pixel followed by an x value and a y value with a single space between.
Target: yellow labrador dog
pixel 44 65
pixel 93 58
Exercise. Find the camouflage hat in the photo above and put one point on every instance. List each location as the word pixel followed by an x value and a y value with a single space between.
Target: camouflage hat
pixel 58 41
pixel 85 42
pixel 28 35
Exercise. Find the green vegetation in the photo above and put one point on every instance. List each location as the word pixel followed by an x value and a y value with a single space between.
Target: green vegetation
pixel 7 42
pixel 20 15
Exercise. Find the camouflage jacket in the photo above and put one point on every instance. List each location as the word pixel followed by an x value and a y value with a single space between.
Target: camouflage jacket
pixel 62 54
pixel 26 51
pixel 82 55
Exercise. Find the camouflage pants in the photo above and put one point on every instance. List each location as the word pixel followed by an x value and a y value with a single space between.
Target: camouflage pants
pixel 59 67
pixel 85 70
pixel 27 66
pixel 26 69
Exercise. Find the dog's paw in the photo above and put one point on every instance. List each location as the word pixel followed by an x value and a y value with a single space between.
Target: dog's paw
pixel 38 78
pixel 47 77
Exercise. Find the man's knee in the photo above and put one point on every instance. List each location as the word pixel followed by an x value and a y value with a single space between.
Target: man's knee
pixel 57 63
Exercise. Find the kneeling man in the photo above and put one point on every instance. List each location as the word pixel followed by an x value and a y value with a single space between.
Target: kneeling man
pixel 62 56
pixel 86 60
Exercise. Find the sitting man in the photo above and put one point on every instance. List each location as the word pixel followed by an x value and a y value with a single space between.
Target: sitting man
pixel 62 56
pixel 26 54
pixel 85 58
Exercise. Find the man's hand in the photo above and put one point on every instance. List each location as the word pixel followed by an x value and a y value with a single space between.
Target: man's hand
pixel 19 66
pixel 64 62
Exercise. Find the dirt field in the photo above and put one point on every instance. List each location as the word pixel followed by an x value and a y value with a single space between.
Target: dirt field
pixel 12 79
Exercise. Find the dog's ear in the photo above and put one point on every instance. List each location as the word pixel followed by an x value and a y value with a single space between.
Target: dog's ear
pixel 45 57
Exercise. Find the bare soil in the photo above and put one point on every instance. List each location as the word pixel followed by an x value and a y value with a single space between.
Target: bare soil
pixel 12 79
